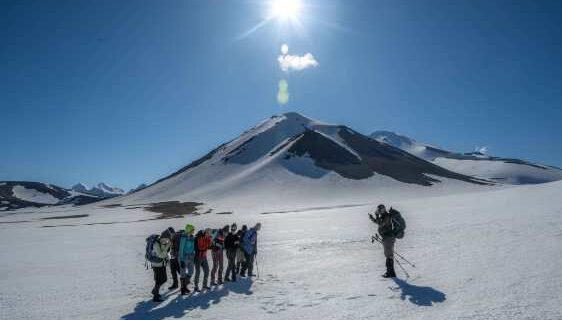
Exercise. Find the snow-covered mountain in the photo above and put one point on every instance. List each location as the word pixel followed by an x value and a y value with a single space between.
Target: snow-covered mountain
pixel 22 194
pixel 476 164
pixel 139 187
pixel 288 156
pixel 100 190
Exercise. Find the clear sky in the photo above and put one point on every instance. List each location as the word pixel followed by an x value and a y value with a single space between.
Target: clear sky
pixel 128 91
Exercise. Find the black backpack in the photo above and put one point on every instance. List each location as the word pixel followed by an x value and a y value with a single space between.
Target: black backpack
pixel 398 223
pixel 149 254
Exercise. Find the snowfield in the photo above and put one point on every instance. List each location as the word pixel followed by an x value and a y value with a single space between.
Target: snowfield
pixel 493 254
pixel 33 195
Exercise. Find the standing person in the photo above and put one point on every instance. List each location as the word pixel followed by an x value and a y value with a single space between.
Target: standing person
pixel 186 256
pixel 174 263
pixel 159 254
pixel 231 244
pixel 249 246
pixel 202 244
pixel 240 260
pixel 217 246
pixel 384 221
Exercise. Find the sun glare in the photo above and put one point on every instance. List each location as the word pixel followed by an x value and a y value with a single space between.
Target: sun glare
pixel 285 10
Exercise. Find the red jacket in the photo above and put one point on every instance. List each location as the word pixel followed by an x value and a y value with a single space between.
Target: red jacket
pixel 203 244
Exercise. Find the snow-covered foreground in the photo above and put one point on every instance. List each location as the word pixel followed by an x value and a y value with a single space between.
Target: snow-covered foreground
pixel 487 255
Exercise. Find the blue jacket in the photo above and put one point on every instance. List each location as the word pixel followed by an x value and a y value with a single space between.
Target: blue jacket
pixel 248 242
pixel 187 247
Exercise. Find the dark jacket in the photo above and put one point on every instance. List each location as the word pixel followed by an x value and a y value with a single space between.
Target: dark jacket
pixel 384 221
pixel 232 241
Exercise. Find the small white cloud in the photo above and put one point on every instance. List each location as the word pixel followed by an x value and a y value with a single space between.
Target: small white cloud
pixel 289 62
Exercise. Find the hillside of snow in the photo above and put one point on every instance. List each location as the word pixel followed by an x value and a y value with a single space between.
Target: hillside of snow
pixel 491 254
pixel 23 194
pixel 290 159
pixel 475 164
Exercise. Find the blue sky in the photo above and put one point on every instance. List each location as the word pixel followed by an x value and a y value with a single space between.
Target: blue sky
pixel 128 91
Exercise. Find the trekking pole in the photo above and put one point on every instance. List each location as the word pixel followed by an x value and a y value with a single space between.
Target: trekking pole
pixel 257 266
pixel 401 267
pixel 379 240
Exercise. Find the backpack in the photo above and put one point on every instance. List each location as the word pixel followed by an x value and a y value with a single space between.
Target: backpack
pixel 149 254
pixel 398 223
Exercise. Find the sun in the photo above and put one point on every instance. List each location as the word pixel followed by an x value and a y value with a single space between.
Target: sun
pixel 285 10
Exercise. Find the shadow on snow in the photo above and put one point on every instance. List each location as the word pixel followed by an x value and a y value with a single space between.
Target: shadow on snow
pixel 181 305
pixel 421 296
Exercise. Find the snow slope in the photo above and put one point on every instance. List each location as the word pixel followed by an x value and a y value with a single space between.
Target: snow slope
pixel 476 164
pixel 494 254
pixel 290 159
pixel 22 194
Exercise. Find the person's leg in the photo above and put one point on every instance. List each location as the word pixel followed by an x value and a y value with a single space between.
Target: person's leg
pixel 250 264
pixel 388 246
pixel 197 273
pixel 174 270
pixel 220 259
pixel 244 265
pixel 214 255
pixel 205 265
pixel 159 279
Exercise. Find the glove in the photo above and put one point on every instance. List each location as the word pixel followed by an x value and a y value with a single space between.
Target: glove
pixel 182 265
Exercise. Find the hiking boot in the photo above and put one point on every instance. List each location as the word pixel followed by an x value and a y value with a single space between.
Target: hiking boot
pixel 157 298
pixel 389 269
pixel 213 284
pixel 226 279
pixel 206 288
pixel 173 286
pixel 196 289
pixel 220 282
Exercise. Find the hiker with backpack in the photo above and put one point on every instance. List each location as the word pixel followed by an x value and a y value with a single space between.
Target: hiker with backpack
pixel 186 255
pixel 249 246
pixel 231 244
pixel 174 263
pixel 157 253
pixel 217 246
pixel 391 226
pixel 202 244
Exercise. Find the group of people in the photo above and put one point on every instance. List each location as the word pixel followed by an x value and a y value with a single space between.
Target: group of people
pixel 185 252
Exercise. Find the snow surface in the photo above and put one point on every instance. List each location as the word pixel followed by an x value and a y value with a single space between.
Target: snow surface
pixel 493 254
pixel 32 195
pixel 475 164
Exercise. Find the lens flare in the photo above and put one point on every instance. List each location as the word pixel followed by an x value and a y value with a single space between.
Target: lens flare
pixel 283 92
pixel 285 10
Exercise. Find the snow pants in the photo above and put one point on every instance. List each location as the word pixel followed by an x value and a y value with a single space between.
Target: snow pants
pixel 388 246
pixel 201 263
pixel 218 263
pixel 187 270
pixel 240 260
pixel 174 269
pixel 231 267
pixel 159 278
pixel 248 265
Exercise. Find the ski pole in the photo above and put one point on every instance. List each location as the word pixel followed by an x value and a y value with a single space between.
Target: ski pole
pixel 257 265
pixel 403 269
pixel 376 237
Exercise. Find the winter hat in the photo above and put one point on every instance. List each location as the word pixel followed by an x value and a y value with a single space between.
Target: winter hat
pixel 166 235
pixel 189 228
pixel 381 206
pixel 171 230
pixel 257 227
pixel 233 227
